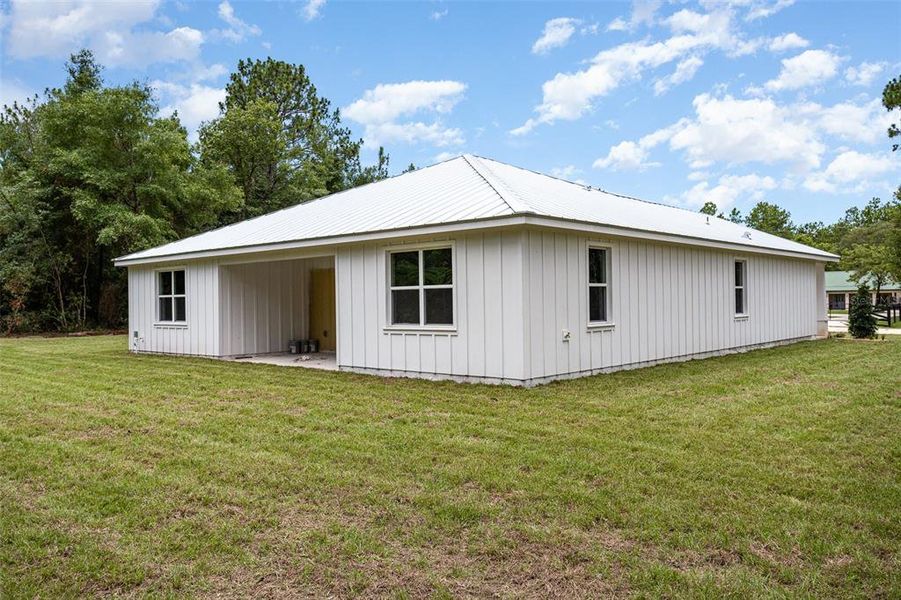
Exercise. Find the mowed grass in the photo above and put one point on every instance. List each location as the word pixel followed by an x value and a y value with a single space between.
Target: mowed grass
pixel 776 472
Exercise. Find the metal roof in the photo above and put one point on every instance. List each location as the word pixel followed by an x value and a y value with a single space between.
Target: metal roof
pixel 461 190
pixel 840 281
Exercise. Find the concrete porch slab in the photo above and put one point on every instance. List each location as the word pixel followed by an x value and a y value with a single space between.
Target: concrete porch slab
pixel 325 361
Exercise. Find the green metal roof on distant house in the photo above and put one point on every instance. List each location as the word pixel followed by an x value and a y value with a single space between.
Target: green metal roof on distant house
pixel 840 281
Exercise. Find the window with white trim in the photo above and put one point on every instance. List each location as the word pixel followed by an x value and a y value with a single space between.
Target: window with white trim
pixel 171 296
pixel 598 285
pixel 741 287
pixel 421 286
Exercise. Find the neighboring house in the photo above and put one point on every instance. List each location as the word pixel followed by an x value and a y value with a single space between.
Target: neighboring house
pixel 476 270
pixel 840 288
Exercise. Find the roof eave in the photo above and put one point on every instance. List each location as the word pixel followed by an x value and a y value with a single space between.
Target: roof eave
pixel 503 221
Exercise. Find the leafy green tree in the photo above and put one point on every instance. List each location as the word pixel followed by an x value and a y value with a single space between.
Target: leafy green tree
pixel 709 208
pixel 867 245
pixel 894 240
pixel 771 219
pixel 891 99
pixel 87 174
pixel 410 168
pixel 861 322
pixel 735 216
pixel 282 140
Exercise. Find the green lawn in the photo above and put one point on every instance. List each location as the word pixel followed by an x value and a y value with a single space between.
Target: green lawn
pixel 770 473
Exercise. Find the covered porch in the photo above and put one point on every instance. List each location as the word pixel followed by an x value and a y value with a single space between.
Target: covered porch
pixel 265 305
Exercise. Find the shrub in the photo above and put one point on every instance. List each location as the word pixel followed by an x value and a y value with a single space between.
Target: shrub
pixel 861 322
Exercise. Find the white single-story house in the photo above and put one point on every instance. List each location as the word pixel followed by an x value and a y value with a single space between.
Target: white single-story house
pixel 840 288
pixel 476 270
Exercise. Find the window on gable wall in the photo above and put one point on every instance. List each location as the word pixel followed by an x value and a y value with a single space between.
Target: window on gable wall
pixel 171 296
pixel 422 287
pixel 598 291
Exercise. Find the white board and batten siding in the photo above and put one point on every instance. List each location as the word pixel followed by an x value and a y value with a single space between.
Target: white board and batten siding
pixel 199 335
pixel 516 291
pixel 666 302
pixel 487 342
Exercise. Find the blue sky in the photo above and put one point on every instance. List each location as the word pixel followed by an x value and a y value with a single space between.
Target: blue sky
pixel 679 102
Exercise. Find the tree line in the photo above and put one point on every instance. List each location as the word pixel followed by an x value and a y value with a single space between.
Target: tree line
pixel 91 171
pixel 868 239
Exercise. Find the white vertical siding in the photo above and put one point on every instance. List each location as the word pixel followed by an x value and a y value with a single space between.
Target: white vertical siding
pixel 200 333
pixel 265 304
pixel 666 301
pixel 516 291
pixel 488 290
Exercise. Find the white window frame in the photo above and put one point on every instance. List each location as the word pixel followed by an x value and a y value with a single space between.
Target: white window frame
pixel 157 285
pixel 743 287
pixel 421 288
pixel 608 252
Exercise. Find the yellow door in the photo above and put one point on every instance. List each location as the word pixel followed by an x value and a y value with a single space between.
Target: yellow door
pixel 322 308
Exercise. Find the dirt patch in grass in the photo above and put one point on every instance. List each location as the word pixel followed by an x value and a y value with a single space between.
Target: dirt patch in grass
pixel 307 555
pixel 771 554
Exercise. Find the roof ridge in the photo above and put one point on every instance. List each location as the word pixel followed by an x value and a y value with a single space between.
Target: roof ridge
pixel 584 186
pixel 494 181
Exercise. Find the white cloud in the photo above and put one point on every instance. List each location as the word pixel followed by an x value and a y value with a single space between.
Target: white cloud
pixel 733 131
pixel 141 48
pixel 556 34
pixel 387 101
pixel 685 70
pixel 628 155
pixel 812 67
pixel 569 173
pixel 312 9
pixel 618 24
pixel 789 41
pixel 643 13
pixel 55 29
pixel 568 96
pixel 195 103
pixel 865 122
pixel 848 168
pixel 438 15
pixel 436 134
pixel 625 156
pixel 739 131
pixel 208 73
pixel 728 190
pixel 238 30
pixel 381 107
pixel 760 10
pixel 864 73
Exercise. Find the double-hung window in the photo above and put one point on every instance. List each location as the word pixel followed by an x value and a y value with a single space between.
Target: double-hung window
pixel 171 296
pixel 741 288
pixel 598 286
pixel 422 287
